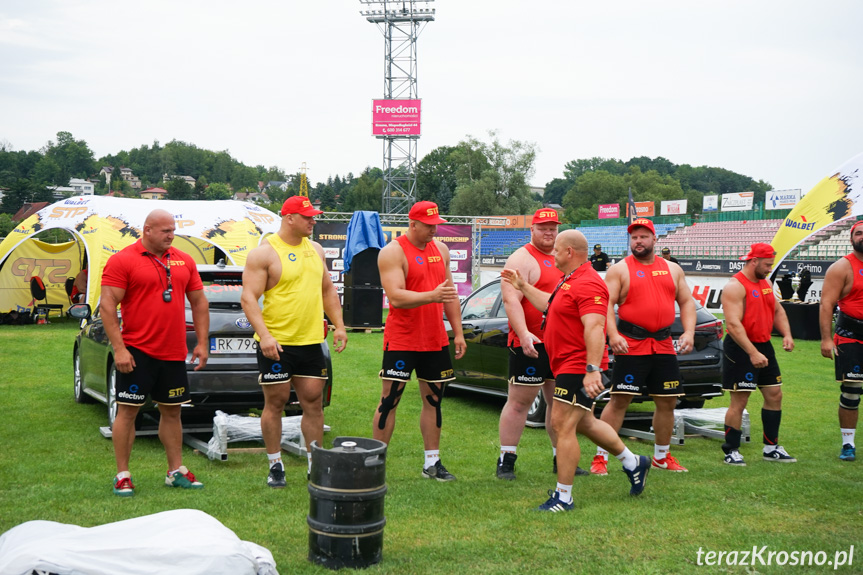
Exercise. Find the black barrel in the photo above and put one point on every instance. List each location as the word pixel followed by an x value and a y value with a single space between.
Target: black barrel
pixel 347 486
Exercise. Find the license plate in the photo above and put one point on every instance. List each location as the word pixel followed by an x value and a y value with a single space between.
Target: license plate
pixel 219 345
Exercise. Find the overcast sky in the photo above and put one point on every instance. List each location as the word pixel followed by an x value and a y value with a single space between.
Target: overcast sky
pixel 768 88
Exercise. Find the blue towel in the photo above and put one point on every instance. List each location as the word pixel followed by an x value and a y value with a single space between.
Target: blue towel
pixel 364 232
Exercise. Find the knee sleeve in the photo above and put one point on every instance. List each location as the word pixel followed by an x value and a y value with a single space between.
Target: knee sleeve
pixel 389 403
pixel 435 400
pixel 850 397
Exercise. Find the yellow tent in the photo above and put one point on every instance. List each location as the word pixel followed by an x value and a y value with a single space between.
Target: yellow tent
pixel 104 225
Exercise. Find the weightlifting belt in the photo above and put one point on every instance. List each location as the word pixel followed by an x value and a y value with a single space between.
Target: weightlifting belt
pixel 637 332
pixel 850 327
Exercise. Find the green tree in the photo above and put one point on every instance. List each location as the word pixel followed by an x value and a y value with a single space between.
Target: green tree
pixel 74 158
pixel 6 225
pixel 444 197
pixel 364 194
pixel 555 190
pixel 437 166
pixel 179 190
pixel 218 191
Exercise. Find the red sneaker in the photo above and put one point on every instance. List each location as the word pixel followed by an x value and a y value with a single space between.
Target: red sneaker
pixel 669 464
pixel 599 466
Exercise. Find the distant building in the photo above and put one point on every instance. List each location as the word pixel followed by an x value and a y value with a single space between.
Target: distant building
pixel 154 194
pixel 125 173
pixel 257 197
pixel 28 210
pixel 188 179
pixel 82 187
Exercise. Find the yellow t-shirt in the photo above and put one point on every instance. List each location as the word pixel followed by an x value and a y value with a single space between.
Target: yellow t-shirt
pixel 293 309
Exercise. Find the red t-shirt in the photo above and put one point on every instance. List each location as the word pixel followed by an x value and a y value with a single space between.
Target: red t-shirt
pixel 419 328
pixel 582 293
pixel 549 276
pixel 760 306
pixel 852 304
pixel 649 304
pixel 156 327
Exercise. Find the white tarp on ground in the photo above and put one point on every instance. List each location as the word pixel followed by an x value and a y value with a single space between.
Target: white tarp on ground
pixel 184 541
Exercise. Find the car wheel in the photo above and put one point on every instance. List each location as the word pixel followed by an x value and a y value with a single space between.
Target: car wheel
pixel 80 396
pixel 536 413
pixel 683 403
pixel 111 395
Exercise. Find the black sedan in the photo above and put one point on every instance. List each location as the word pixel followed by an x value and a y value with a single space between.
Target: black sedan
pixel 229 380
pixel 484 366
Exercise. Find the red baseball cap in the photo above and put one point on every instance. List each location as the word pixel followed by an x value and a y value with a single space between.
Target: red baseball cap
pixel 641 222
pixel 544 215
pixel 860 223
pixel 426 212
pixel 299 205
pixel 760 251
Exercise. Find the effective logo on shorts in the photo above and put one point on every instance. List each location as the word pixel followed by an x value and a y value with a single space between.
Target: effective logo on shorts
pixel 400 364
pixel 749 376
pixel 629 378
pixel 855 369
pixel 133 389
pixel 530 371
pixel 276 368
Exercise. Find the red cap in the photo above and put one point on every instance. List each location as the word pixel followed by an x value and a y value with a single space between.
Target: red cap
pixel 860 223
pixel 426 212
pixel 760 251
pixel 641 222
pixel 299 205
pixel 544 215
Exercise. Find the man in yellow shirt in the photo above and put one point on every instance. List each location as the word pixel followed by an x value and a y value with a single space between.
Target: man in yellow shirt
pixel 288 270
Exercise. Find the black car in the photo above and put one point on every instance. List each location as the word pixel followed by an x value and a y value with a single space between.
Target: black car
pixel 484 367
pixel 229 380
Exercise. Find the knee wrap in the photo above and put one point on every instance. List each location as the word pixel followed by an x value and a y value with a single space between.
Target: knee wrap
pixel 435 400
pixel 389 403
pixel 850 397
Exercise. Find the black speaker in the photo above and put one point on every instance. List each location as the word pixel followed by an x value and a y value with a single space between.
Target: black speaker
pixel 364 269
pixel 363 306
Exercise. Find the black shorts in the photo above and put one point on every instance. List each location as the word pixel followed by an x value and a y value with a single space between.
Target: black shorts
pixel 294 360
pixel 569 388
pixel 848 362
pixel 164 381
pixel 433 366
pixel 529 371
pixel 654 374
pixel 738 374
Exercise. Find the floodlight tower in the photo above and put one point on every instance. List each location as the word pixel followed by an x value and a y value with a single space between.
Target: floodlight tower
pixel 401 23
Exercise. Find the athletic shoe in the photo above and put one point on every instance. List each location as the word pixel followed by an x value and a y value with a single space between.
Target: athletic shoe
pixel 779 454
pixel 438 471
pixel 669 464
pixel 506 468
pixel 578 470
pixel 554 504
pixel 123 487
pixel 638 476
pixel 276 478
pixel 599 466
pixel 183 478
pixel 848 453
pixel 733 457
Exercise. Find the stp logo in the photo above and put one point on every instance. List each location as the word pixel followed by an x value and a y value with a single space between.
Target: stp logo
pixel 433 259
pixel 431 212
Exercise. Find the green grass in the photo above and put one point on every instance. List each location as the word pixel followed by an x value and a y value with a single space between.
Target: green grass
pixel 54 465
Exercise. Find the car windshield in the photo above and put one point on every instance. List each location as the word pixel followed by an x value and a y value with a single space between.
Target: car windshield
pixel 223 289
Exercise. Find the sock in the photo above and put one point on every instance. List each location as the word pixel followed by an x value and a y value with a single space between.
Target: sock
pixel 564 493
pixel 503 449
pixel 848 436
pixel 553 451
pixel 275 458
pixel 171 473
pixel 732 439
pixel 660 451
pixel 627 458
pixel 309 457
pixel 770 420
pixel 123 474
pixel 432 457
pixel 602 453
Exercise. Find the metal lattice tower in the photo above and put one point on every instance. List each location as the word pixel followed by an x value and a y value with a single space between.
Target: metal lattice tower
pixel 304 181
pixel 401 23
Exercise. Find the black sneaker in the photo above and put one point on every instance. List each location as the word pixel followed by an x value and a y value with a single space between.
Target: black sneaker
pixel 506 468
pixel 779 454
pixel 638 476
pixel 578 470
pixel 276 478
pixel 438 471
pixel 554 504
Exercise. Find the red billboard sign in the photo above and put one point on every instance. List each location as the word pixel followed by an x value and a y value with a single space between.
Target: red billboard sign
pixel 396 117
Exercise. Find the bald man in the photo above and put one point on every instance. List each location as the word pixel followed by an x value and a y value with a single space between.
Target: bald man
pixel 574 324
pixel 151 280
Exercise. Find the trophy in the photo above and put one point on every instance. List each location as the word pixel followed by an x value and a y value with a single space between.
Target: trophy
pixel 795 285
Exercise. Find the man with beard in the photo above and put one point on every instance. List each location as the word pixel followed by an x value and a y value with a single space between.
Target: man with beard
pixel 750 313
pixel 843 284
pixel 645 287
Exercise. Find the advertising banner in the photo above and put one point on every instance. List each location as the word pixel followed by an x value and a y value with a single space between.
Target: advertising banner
pixel 643 209
pixel 673 208
pixel 781 199
pixel 739 202
pixel 396 117
pixel 710 204
pixel 608 211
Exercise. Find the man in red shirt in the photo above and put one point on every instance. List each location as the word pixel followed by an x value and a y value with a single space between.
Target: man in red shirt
pixel 751 312
pixel 575 337
pixel 416 277
pixel 151 280
pixel 645 287
pixel 843 284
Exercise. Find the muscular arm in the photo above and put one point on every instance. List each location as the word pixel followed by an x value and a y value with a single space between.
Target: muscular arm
pixel 452 308
pixel 594 339
pixel 393 270
pixel 332 305
pixel 686 342
pixel 255 274
pixel 520 260
pixel 733 306
pixel 780 322
pixel 614 281
pixel 536 297
pixel 111 298
pixel 201 319
pixel 834 288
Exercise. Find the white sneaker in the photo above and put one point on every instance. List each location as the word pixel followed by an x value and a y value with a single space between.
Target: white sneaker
pixel 734 458
pixel 779 454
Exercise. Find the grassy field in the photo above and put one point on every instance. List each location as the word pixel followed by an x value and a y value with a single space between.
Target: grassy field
pixel 54 465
